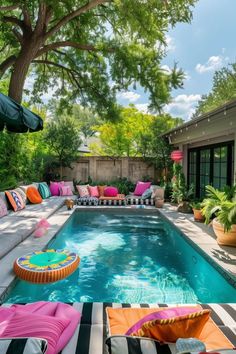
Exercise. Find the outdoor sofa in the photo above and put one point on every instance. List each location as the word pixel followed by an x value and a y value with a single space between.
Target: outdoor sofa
pixel 17 226
pixel 121 199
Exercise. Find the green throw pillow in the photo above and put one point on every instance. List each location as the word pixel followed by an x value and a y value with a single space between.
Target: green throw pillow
pixel 44 190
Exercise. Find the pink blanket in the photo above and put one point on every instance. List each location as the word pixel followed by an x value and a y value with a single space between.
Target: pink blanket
pixel 53 321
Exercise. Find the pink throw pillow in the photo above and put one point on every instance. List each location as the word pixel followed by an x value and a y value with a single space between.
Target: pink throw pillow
pixel 93 191
pixel 55 188
pixel 23 324
pixel 83 191
pixel 110 192
pixel 65 190
pixel 141 187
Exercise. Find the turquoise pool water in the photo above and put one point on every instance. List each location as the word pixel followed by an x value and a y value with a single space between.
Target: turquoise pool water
pixel 134 257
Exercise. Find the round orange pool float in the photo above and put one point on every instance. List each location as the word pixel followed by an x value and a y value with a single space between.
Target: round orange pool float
pixel 46 266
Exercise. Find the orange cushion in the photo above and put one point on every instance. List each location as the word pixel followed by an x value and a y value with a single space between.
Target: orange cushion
pixel 15 200
pixel 118 197
pixel 33 195
pixel 101 190
pixel 121 319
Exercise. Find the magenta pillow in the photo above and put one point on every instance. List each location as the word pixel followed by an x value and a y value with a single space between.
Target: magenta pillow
pixel 93 191
pixel 23 324
pixel 141 187
pixel 55 188
pixel 160 315
pixel 110 192
pixel 65 191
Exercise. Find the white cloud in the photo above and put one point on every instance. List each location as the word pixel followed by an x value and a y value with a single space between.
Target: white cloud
pixel 129 95
pixel 143 107
pixel 170 43
pixel 213 63
pixel 183 106
pixel 166 68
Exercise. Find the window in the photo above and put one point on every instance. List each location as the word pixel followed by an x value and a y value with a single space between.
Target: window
pixel 210 165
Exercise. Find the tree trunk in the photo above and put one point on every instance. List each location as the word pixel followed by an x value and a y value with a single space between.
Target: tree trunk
pixel 21 67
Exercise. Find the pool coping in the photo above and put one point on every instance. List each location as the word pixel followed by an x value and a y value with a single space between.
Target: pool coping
pixel 198 235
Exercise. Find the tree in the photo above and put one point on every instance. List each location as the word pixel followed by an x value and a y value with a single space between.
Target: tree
pixel 21 156
pixel 223 90
pixel 84 46
pixel 154 146
pixel 122 137
pixel 87 121
pixel 62 138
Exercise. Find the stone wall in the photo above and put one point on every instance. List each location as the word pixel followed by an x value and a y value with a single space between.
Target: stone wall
pixel 107 169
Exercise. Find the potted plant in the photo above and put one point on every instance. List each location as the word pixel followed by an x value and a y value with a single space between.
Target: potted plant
pixel 197 211
pixel 184 198
pixel 222 206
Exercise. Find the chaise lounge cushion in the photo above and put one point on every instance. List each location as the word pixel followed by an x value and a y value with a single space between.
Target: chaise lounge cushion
pixel 42 210
pixel 14 230
pixel 23 345
pixel 118 197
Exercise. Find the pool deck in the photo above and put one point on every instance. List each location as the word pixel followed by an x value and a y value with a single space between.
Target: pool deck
pixel 201 235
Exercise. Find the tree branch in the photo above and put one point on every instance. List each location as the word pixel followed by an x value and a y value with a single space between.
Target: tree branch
pixel 14 20
pixel 9 8
pixel 41 18
pixel 49 62
pixel 7 64
pixel 56 45
pixel 27 19
pixel 90 5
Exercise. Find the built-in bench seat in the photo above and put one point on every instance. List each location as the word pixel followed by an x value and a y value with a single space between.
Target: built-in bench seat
pixel 17 226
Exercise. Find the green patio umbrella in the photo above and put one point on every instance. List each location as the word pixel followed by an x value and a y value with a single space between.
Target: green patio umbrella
pixel 16 118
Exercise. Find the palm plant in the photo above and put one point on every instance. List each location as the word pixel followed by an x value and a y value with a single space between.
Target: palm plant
pixel 222 204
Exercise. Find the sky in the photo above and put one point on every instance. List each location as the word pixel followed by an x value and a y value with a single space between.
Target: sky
pixel 199 48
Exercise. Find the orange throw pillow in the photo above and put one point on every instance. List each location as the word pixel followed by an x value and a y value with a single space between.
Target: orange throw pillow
pixel 33 195
pixel 170 329
pixel 101 190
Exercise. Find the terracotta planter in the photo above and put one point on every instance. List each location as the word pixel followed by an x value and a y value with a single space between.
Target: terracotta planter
pixel 159 202
pixel 224 238
pixel 198 215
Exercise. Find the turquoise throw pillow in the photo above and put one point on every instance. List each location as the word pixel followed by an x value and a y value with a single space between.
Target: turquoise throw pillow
pixel 44 190
pixel 147 194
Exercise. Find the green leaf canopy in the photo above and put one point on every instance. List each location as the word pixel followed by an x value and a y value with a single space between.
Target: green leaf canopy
pixel 88 51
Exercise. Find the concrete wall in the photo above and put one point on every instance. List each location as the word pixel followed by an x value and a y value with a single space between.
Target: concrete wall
pixel 107 169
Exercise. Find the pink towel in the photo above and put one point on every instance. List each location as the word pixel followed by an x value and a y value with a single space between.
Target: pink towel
pixel 54 321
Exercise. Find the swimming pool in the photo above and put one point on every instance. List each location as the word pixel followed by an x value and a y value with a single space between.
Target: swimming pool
pixel 126 256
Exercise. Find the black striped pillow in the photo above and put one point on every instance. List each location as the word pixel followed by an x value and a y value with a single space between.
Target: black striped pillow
pixel 135 345
pixel 23 346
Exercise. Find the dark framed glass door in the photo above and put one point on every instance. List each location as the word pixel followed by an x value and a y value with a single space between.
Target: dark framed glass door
pixel 211 164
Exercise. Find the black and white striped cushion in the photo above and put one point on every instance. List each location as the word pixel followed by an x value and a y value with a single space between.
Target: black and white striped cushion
pixel 135 345
pixel 91 333
pixel 23 346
